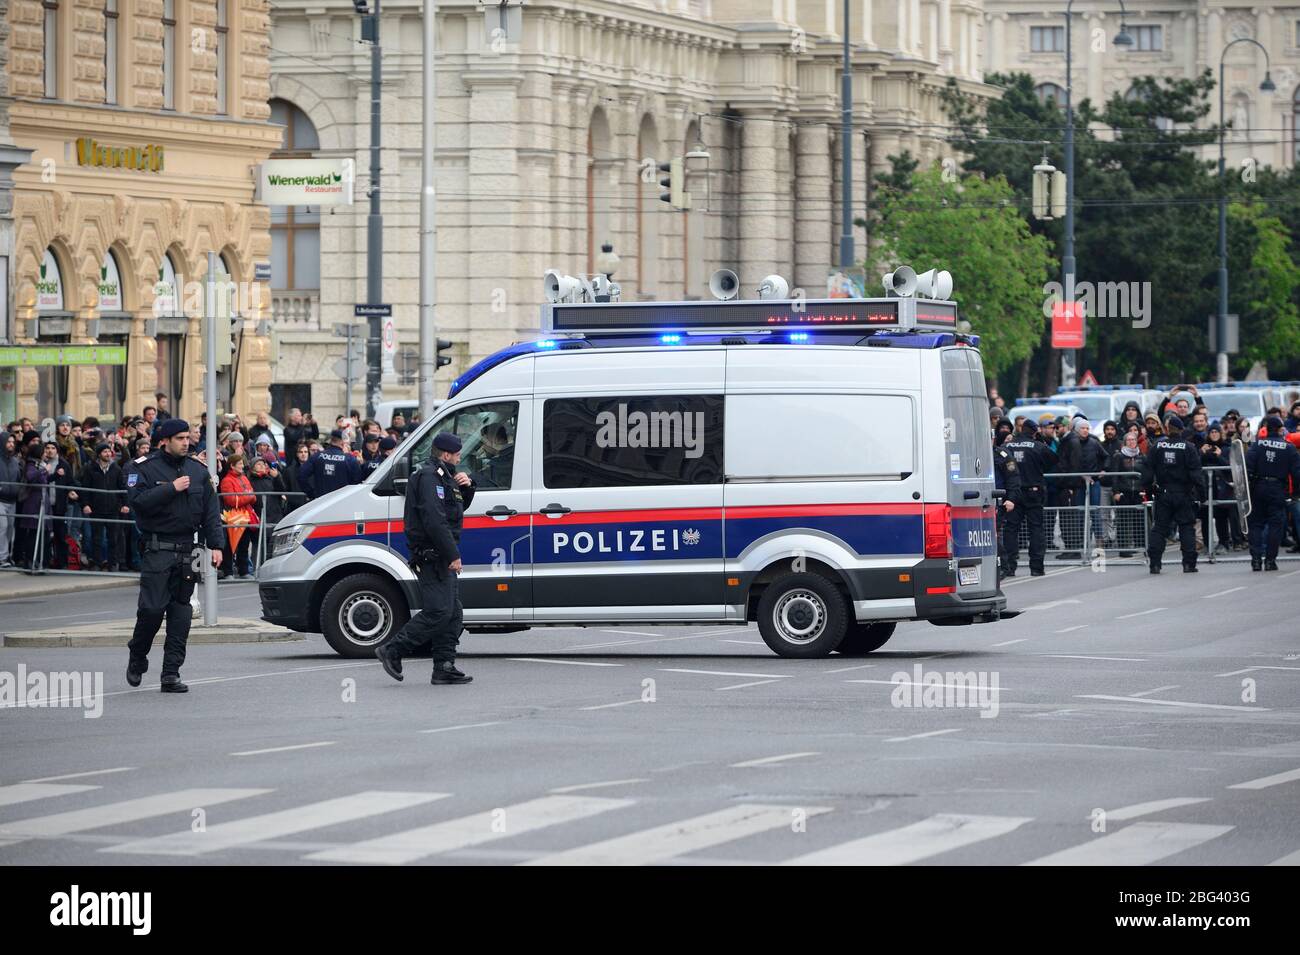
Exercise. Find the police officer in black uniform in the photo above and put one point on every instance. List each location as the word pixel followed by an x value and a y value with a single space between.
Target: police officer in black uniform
pixel 1033 459
pixel 332 468
pixel 1173 467
pixel 1006 477
pixel 436 498
pixel 171 497
pixel 1269 462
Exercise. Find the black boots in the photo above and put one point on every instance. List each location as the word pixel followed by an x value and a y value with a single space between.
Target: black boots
pixel 1256 563
pixel 132 677
pixel 392 665
pixel 1154 566
pixel 446 672
pixel 1270 565
pixel 173 684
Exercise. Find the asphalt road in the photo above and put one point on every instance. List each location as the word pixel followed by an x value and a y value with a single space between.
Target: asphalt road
pixel 1136 720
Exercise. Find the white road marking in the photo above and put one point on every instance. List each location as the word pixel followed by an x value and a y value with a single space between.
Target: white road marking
pixel 276 825
pixel 73 616
pixel 1290 775
pixel 665 842
pixel 1007 643
pixel 768 760
pixel 1081 626
pixel 1159 689
pixel 1140 613
pixel 929 837
pixel 26 792
pixel 1197 706
pixel 608 706
pixel 1222 593
pixel 1138 844
pixel 598 646
pixel 1291 858
pixel 1053 603
pixel 946 686
pixel 611 782
pixel 1075 656
pixel 114 813
pixel 748 643
pixel 572 663
pixel 461 726
pixel 860 666
pixel 903 739
pixel 1146 808
pixel 765 676
pixel 473 830
pixel 284 749
pixel 741 686
pixel 1252 669
pixel 633 633
pixel 93 772
pixel 1050 574
pixel 1291 574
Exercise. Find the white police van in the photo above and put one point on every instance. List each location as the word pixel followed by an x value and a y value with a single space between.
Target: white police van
pixel 822 467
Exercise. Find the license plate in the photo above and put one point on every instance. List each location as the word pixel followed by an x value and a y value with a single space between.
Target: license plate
pixel 968 575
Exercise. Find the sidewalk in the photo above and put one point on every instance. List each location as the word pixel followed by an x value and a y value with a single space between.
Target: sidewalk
pixel 116 633
pixel 16 584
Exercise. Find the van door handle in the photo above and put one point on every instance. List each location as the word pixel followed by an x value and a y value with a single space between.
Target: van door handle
pixel 554 510
pixel 501 511
pixel 970 495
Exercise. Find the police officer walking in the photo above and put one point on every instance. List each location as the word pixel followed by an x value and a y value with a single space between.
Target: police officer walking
pixel 332 468
pixel 171 498
pixel 1006 477
pixel 1173 467
pixel 436 498
pixel 1269 462
pixel 1033 459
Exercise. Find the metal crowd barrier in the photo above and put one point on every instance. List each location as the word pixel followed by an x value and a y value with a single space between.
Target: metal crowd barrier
pixel 1083 532
pixel 121 547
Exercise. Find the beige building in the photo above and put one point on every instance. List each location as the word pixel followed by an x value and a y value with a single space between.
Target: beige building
pixel 1173 39
pixel 547 146
pixel 146 118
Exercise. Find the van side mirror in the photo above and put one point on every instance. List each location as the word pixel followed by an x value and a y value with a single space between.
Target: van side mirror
pixel 401 474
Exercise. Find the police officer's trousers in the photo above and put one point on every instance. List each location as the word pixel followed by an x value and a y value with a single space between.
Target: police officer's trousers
pixel 1268 515
pixel 1029 510
pixel 1174 507
pixel 439 622
pixel 166 583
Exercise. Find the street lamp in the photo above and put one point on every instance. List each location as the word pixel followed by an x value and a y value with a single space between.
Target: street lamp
pixel 1221 320
pixel 1069 358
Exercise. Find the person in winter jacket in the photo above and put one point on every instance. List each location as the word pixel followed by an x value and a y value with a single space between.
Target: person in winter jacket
pixel 106 501
pixel 237 495
pixel 31 501
pixel 1125 483
pixel 11 476
pixel 1132 414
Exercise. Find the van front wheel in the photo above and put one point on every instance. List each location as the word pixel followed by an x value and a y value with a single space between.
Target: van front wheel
pixel 803 616
pixel 360 612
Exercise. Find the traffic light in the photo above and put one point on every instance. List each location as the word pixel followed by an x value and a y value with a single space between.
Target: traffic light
pixel 675 182
pixel 443 345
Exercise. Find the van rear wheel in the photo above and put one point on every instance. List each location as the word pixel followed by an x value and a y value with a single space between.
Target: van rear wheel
pixel 802 616
pixel 863 638
pixel 360 612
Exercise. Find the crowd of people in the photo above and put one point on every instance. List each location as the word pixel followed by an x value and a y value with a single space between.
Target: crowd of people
pixel 63 503
pixel 1111 473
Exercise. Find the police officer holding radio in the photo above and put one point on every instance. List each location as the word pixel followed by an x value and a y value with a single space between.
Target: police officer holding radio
pixel 1173 467
pixel 1033 459
pixel 1006 477
pixel 171 497
pixel 1269 462
pixel 332 468
pixel 436 499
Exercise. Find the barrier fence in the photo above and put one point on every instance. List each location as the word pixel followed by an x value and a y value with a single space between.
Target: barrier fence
pixel 124 538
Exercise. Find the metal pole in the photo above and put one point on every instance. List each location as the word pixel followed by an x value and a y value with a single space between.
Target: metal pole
pixel 1209 523
pixel 1068 356
pixel 210 436
pixel 374 230
pixel 846 156
pixel 1085 545
pixel 1221 320
pixel 347 378
pixel 428 228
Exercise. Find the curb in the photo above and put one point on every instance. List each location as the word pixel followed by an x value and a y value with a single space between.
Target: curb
pixel 25 586
pixel 118 634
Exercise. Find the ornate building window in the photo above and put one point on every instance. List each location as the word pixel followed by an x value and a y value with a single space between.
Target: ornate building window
pixel 50 28
pixel 295 230
pixel 1051 93
pixel 110 51
pixel 1047 39
pixel 1148 39
pixel 222 53
pixel 169 54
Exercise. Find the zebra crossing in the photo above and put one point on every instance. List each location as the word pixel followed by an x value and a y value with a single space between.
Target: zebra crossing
pixel 777 832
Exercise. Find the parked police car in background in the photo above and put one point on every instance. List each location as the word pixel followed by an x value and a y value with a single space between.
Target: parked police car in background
pixel 821 467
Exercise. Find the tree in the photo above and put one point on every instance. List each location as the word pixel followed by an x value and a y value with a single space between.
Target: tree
pixel 972 228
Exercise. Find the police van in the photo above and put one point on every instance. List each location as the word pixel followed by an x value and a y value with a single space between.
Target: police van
pixel 821 467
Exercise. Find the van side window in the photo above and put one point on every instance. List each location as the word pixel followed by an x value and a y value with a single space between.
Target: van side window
pixel 487 434
pixel 632 441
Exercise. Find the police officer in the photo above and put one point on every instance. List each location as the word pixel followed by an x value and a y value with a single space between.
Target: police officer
pixel 332 468
pixel 171 497
pixel 1006 477
pixel 436 499
pixel 1033 459
pixel 1173 467
pixel 1269 462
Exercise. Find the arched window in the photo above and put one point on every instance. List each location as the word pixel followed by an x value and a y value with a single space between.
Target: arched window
pixel 647 210
pixel 295 230
pixel 1050 92
pixel 600 167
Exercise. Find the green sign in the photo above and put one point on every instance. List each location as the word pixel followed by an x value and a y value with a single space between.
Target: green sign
pixel 44 356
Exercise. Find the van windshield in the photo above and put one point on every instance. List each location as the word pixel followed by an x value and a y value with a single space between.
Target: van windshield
pixel 1096 408
pixel 1218 403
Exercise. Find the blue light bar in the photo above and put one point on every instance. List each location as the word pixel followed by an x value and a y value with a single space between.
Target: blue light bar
pixel 670 339
pixel 546 343
pixel 798 336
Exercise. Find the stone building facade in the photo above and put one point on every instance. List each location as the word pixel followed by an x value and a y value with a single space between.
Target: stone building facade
pixel 1174 39
pixel 146 118
pixel 547 143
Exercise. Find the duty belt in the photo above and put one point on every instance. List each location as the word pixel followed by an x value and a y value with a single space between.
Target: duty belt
pixel 176 546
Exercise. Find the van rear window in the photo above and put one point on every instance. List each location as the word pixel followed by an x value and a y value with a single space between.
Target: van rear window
pixel 632 441
pixel 968 446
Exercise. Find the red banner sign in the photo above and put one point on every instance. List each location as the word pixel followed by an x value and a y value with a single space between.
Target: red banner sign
pixel 1067 325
